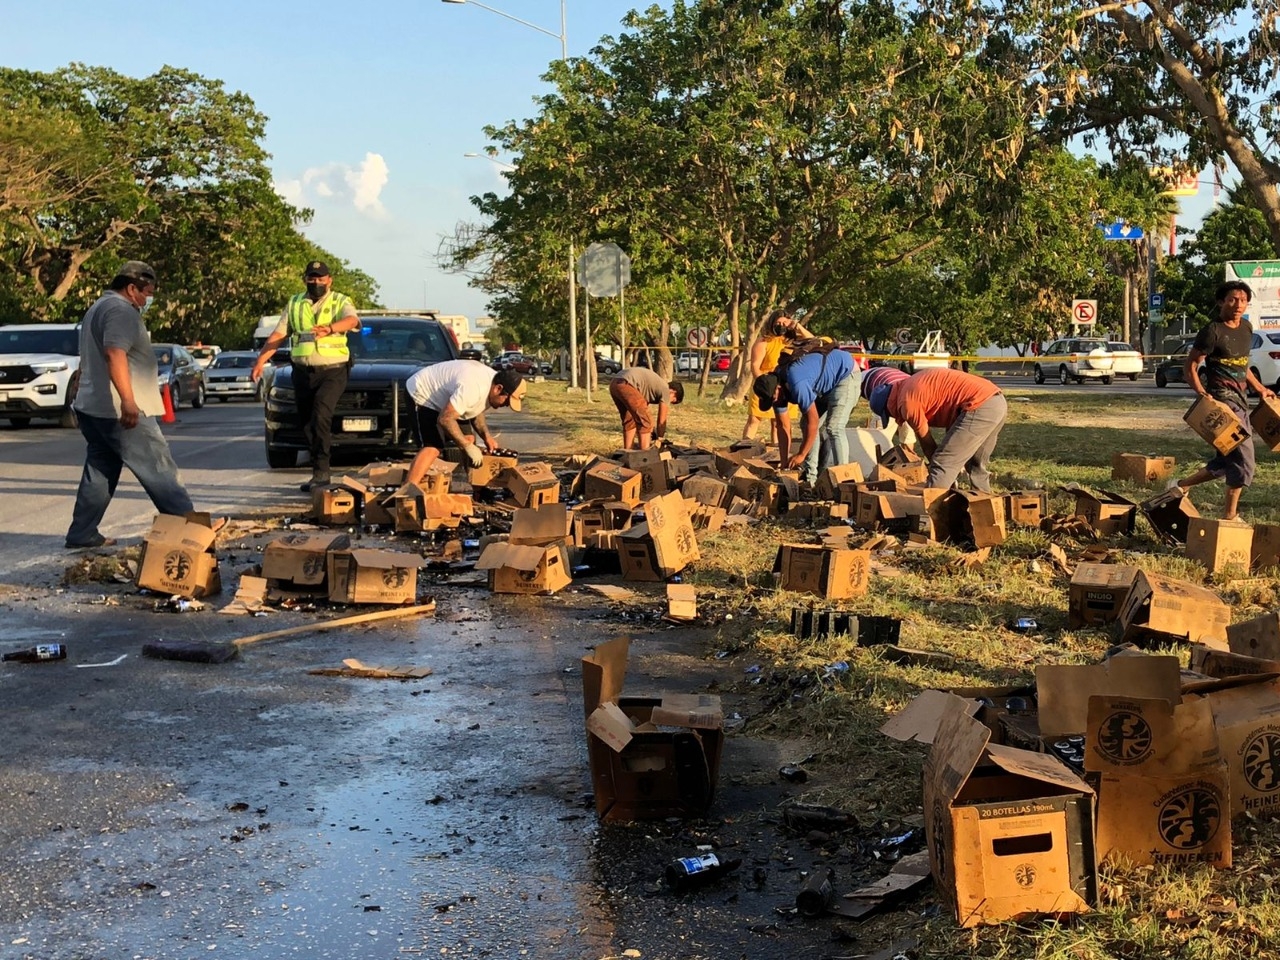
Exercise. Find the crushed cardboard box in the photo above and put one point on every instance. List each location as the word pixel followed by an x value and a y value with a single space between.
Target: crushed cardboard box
pixel 1163 610
pixel 651 757
pixel 1170 514
pixel 1107 512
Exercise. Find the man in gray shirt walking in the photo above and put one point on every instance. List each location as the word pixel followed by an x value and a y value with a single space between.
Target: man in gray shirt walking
pixel 116 407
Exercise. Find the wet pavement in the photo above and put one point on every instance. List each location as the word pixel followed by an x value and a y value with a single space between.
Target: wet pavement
pixel 157 810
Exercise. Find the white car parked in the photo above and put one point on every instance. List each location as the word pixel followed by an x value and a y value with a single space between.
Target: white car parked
pixel 1125 361
pixel 1076 358
pixel 1264 356
pixel 39 372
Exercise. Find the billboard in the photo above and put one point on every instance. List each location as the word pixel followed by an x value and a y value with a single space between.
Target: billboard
pixel 1263 278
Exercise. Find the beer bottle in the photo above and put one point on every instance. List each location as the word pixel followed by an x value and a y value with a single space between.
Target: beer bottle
pixel 690 872
pixel 38 653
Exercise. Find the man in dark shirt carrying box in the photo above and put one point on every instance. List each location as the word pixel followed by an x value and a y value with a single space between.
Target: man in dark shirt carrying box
pixel 633 391
pixel 1223 344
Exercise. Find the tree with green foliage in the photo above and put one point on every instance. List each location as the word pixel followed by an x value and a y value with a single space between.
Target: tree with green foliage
pixel 97 167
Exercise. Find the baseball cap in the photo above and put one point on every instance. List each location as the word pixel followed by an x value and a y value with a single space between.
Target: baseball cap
pixel 316 268
pixel 137 270
pixel 513 386
pixel 764 387
pixel 878 401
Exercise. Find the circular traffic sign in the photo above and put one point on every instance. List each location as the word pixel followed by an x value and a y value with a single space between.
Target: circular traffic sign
pixel 903 335
pixel 697 337
pixel 1084 311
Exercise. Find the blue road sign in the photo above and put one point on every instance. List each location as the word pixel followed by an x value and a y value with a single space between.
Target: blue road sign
pixel 1157 301
pixel 1121 231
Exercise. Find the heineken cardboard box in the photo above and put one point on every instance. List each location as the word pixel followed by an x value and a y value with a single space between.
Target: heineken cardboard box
pixel 834 574
pixel 373 576
pixel 179 557
pixel 1139 468
pixel 1108 513
pixel 1162 781
pixel 1170 514
pixel 1216 424
pixel 298 560
pixel 1265 420
pixel 524 568
pixel 530 484
pixel 1219 544
pixel 663 544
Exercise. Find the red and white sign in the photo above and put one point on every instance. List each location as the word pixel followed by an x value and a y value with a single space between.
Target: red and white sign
pixel 698 337
pixel 1084 312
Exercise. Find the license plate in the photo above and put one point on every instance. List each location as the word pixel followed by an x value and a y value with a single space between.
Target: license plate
pixel 359 424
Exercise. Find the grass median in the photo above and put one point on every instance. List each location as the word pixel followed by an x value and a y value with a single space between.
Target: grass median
pixel 965 612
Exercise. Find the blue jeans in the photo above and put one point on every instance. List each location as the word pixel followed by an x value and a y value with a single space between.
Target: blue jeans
pixel 144 451
pixel 831 449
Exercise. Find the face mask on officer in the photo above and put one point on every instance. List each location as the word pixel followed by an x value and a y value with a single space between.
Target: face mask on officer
pixel 317 290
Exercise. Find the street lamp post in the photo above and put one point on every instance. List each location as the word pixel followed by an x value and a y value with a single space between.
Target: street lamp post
pixel 563 37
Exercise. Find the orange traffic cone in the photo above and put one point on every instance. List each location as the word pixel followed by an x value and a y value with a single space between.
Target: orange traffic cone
pixel 169 416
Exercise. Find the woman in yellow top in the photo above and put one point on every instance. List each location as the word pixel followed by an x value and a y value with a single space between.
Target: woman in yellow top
pixel 781 329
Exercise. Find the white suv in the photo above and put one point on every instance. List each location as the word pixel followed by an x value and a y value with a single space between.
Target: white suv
pixel 1076 358
pixel 1264 356
pixel 39 372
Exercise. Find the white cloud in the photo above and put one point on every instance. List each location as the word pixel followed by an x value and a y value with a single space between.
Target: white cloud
pixel 341 183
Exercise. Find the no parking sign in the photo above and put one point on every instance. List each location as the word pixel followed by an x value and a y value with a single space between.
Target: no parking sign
pixel 1084 312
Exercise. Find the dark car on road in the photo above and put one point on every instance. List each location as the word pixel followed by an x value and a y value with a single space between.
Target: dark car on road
pixel 607 366
pixel 181 373
pixel 374 417
pixel 1172 369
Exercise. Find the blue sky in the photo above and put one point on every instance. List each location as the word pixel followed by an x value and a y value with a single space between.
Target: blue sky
pixel 371 106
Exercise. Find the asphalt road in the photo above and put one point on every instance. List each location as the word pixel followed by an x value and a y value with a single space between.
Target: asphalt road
pixel 157 810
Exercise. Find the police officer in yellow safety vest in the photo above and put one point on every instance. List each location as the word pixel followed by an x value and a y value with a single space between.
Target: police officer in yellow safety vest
pixel 316 324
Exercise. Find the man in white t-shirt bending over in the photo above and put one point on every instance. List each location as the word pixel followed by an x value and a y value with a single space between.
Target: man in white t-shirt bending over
pixel 454 395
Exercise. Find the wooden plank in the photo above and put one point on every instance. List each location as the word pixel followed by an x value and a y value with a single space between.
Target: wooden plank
pixel 424 610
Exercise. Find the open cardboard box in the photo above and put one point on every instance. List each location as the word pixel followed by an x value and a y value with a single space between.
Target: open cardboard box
pixel 298 560
pixel 373 576
pixel 1010 832
pixel 1097 594
pixel 661 546
pixel 606 480
pixel 651 757
pixel 525 569
pixel 178 557
pixel 530 484
pixel 1163 610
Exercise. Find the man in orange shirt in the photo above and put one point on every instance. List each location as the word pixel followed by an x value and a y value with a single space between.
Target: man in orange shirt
pixel 971 409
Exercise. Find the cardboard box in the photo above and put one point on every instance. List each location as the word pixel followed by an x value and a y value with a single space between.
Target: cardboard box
pixel 829 480
pixel 818 511
pixel 1097 593
pixel 607 480
pixel 768 497
pixel 882 474
pixel 1063 690
pixel 598 516
pixel 708 519
pixel 544 526
pixel 525 569
pixel 1170 514
pixel 906 463
pixel 878 509
pixel 652 468
pixel 1247 718
pixel 1266 546
pixel 682 601
pixel 1218 544
pixel 369 506
pixel 982 518
pixel 1010 832
pixel 373 576
pixel 530 484
pixel 334 505
pixel 651 757
pixel 1026 507
pixel 705 489
pixel 178 557
pixel 1223 665
pixel 299 560
pixel 1259 637
pixel 1163 610
pixel 1216 424
pixel 822 571
pixel 487 473
pixel 729 459
pixel 1139 468
pixel 414 509
pixel 1162 782
pixel 661 546
pixel 1265 421
pixel 1108 513
pixel 383 474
